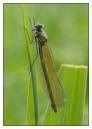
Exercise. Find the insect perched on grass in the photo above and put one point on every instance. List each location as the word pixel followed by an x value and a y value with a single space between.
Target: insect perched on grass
pixel 54 88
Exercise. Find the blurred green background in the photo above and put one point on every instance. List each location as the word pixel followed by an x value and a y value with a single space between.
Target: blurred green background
pixel 67 28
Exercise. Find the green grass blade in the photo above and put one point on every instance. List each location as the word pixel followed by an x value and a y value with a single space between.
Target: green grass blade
pixel 74 81
pixel 35 104
pixel 32 104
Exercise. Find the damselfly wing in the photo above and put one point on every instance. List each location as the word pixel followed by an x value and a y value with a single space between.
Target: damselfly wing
pixel 53 84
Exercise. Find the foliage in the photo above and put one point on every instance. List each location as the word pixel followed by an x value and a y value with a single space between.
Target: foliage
pixel 67 29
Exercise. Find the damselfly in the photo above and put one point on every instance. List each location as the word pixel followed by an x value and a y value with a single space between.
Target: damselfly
pixel 54 88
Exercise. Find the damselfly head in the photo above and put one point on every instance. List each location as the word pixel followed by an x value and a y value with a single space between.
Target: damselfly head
pixel 38 27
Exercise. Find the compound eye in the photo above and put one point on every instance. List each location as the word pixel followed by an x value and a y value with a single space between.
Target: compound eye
pixel 40 26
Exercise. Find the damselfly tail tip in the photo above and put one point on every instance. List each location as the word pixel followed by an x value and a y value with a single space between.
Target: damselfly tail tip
pixel 54 108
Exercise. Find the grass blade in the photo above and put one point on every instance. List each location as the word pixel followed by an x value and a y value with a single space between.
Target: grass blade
pixel 32 104
pixel 74 81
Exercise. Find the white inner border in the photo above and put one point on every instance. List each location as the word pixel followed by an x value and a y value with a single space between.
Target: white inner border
pixel 1 60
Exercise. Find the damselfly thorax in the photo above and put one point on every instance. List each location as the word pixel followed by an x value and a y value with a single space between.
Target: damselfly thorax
pixel 55 91
pixel 40 35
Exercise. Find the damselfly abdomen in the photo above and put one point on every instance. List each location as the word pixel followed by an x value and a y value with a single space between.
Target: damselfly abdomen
pixel 53 84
